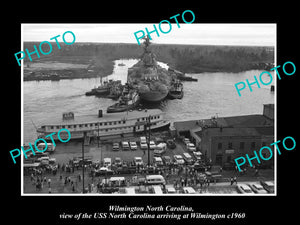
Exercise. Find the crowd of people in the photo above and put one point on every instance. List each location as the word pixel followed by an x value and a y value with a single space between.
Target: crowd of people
pixel 68 177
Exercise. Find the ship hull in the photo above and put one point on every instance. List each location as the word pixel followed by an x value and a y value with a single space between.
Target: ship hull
pixel 153 96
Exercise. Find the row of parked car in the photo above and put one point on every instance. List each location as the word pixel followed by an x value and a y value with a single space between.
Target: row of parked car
pixel 132 145
pixel 264 187
pixel 118 166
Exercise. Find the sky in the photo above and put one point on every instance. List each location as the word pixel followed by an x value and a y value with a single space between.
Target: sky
pixel 194 33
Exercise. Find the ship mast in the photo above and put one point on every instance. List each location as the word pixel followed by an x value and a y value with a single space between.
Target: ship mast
pixel 148 57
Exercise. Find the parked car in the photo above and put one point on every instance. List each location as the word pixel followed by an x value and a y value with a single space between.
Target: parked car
pixel 178 159
pixel 124 169
pixel 268 186
pixel 191 147
pixel 107 162
pixel 104 171
pixel 188 158
pixel 155 179
pixel 257 188
pixel 50 147
pixel 125 145
pixel 160 149
pixel 143 140
pixel 87 161
pixel 144 146
pixel 199 166
pixel 186 141
pixel 167 160
pixel 197 155
pixel 116 146
pixel 189 190
pixel 244 189
pixel 157 161
pixel 152 145
pixel 118 161
pixel 138 161
pixel 171 144
pixel 133 145
pixel 170 190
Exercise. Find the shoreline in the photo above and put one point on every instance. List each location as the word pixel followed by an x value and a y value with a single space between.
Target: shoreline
pixel 71 73
pixel 83 60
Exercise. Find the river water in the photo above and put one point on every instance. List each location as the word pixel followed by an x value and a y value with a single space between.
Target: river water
pixel 213 95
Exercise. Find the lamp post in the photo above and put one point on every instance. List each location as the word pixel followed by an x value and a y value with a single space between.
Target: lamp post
pixel 98 143
pixel 148 125
pixel 84 135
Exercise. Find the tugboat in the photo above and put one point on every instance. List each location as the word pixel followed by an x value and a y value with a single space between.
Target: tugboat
pixel 152 81
pixel 107 88
pixel 126 102
pixel 176 91
pixel 103 89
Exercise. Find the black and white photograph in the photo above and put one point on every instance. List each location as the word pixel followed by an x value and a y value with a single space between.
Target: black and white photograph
pixel 148 113
pixel 161 117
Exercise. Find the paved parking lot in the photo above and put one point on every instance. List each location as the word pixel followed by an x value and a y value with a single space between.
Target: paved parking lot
pixel 65 152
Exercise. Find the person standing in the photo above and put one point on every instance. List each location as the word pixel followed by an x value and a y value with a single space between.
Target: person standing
pixel 32 177
pixel 182 181
pixel 256 172
pixel 234 180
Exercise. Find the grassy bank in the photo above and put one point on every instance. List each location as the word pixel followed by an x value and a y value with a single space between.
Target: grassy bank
pixel 96 59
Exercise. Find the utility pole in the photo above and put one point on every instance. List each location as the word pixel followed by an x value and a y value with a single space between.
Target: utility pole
pixel 98 143
pixel 84 134
pixel 149 133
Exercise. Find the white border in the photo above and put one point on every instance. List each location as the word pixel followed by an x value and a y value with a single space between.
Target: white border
pixel 136 195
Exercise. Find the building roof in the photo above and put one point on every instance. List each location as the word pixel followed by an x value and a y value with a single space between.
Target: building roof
pixel 247 121
pixel 238 131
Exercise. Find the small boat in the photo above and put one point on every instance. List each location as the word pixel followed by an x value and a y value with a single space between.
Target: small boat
pixel 186 78
pixel 101 90
pixel 111 88
pixel 54 77
pixel 126 102
pixel 181 76
pixel 176 90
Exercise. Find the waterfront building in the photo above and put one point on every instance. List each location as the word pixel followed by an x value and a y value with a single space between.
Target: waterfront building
pixel 222 139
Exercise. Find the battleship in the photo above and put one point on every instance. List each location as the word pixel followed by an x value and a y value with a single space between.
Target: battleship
pixel 152 81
